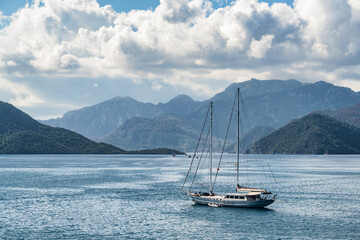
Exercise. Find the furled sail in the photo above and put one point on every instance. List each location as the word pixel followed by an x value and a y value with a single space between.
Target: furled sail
pixel 247 189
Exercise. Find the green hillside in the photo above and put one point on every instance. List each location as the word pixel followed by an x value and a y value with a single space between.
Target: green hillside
pixel 313 134
pixel 20 134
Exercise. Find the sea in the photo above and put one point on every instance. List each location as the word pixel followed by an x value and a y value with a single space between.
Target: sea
pixel 138 197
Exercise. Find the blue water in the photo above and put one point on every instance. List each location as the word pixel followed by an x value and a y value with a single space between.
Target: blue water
pixel 138 197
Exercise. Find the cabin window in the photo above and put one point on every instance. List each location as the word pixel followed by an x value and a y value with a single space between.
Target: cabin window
pixel 251 198
pixel 242 197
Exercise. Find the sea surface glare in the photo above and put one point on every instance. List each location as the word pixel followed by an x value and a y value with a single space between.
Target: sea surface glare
pixel 138 197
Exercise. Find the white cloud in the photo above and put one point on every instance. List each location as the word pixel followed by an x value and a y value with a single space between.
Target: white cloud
pixel 11 63
pixel 21 96
pixel 185 43
pixel 258 49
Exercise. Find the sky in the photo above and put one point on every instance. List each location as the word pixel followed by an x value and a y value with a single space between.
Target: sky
pixel 61 55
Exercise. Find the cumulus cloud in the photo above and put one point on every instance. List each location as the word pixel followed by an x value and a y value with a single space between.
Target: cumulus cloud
pixel 21 96
pixel 259 48
pixel 185 42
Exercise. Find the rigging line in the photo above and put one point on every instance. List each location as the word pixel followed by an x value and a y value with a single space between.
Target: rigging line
pixel 203 160
pixel 245 112
pixel 192 160
pixel 216 130
pixel 272 172
pixel 201 155
pixel 226 135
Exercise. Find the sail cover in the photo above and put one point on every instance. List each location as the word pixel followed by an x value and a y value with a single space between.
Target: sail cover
pixel 247 189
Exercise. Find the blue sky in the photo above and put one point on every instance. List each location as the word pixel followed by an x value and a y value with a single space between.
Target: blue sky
pixel 64 55
pixel 9 7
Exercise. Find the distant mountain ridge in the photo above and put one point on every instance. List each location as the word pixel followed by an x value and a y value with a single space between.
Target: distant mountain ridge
pixel 103 118
pixel 254 88
pixel 280 107
pixel 313 134
pixel 270 103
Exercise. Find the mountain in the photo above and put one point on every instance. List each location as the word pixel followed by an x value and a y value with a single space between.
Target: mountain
pixel 181 105
pixel 168 131
pixel 270 103
pixel 256 97
pixel 20 134
pixel 350 115
pixel 276 106
pixel 103 118
pixel 256 87
pixel 312 134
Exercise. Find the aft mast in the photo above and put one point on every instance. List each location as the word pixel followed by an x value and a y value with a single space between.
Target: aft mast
pixel 211 121
pixel 238 139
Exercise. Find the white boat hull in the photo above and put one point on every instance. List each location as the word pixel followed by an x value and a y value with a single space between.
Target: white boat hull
pixel 219 201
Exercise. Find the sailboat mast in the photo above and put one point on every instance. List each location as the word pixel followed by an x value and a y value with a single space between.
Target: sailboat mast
pixel 238 138
pixel 211 121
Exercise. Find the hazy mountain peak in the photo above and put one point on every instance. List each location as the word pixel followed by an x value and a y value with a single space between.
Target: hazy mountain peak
pixel 181 97
pixel 255 87
pixel 324 84
pixel 119 98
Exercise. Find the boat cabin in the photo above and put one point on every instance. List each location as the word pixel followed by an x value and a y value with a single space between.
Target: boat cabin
pixel 249 196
